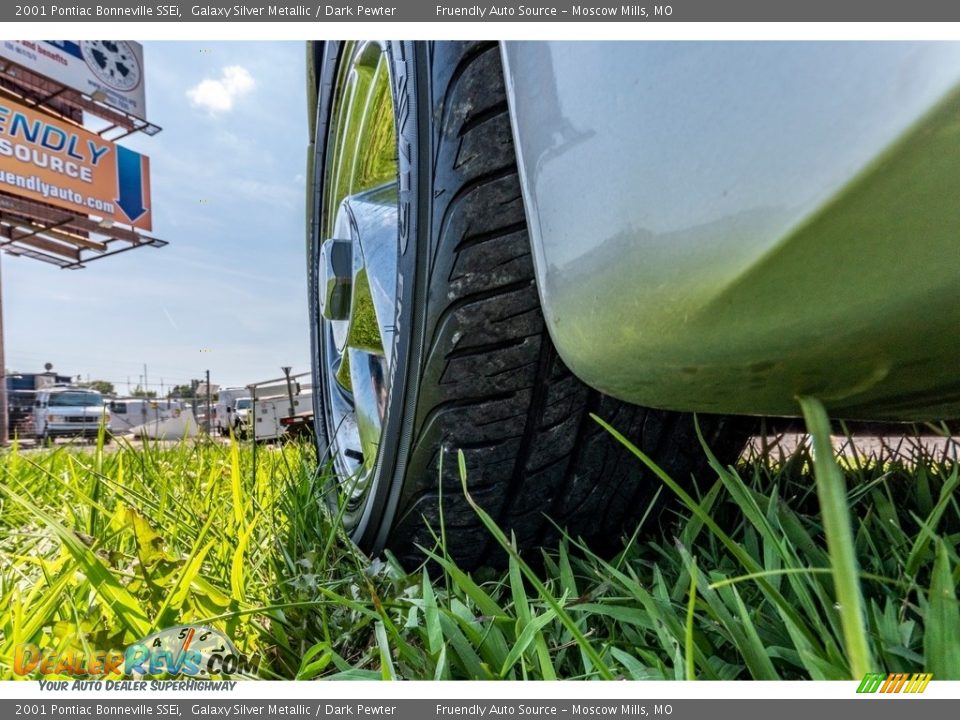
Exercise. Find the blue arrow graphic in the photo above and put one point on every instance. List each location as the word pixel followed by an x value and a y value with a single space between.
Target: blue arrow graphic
pixel 130 183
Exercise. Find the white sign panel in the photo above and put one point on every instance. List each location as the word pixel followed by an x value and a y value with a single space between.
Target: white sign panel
pixel 110 71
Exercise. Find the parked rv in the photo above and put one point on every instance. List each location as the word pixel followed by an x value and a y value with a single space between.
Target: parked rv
pixel 65 411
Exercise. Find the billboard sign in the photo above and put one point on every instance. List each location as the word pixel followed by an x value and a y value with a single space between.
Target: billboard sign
pixel 54 161
pixel 110 71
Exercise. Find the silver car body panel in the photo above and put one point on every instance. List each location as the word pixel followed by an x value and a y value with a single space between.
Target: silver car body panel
pixel 671 187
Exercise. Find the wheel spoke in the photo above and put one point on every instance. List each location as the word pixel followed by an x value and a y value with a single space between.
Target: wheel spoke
pixel 375 153
pixel 375 216
pixel 368 374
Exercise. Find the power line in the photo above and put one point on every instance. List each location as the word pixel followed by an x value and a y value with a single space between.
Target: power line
pixel 167 382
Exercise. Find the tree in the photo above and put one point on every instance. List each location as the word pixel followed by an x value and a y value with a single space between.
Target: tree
pixel 141 393
pixel 180 392
pixel 104 387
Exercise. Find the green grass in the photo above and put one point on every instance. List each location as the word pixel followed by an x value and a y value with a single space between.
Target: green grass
pixel 778 568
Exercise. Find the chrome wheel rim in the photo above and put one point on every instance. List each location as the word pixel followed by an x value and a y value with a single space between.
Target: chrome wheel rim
pixel 358 264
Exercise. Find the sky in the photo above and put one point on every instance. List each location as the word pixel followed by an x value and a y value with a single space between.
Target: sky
pixel 228 294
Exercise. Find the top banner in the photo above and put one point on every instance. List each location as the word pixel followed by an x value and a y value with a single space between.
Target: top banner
pixel 497 11
pixel 110 71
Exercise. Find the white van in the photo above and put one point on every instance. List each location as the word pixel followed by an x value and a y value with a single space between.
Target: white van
pixel 64 411
pixel 224 414
pixel 241 415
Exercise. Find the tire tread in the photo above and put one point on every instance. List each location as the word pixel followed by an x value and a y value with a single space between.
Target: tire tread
pixel 493 385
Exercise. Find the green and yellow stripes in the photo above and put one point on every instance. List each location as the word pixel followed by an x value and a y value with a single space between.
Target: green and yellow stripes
pixel 914 683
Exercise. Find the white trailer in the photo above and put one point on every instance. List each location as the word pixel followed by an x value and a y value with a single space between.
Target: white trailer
pixel 130 412
pixel 271 403
pixel 270 411
pixel 176 427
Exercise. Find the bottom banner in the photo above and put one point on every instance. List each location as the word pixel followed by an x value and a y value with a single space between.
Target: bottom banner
pixel 421 709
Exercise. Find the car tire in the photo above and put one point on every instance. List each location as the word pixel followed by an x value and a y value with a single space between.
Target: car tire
pixel 473 368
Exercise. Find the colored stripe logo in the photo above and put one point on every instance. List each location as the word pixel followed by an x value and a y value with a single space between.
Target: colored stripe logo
pixel 895 683
pixel 130 183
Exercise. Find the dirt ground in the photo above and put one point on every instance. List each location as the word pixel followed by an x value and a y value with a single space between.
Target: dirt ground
pixel 892 448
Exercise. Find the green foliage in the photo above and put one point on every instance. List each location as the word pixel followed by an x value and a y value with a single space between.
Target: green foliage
pixel 184 392
pixel 749 578
pixel 104 387
pixel 139 392
pixel 100 548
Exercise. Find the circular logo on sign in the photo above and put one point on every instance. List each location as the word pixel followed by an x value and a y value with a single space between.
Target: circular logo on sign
pixel 113 62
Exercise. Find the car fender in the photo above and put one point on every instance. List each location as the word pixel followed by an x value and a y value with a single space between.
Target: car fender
pixel 723 226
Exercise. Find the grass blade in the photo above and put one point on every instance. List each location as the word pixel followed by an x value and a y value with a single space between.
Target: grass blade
pixel 688 634
pixel 388 672
pixel 940 641
pixel 831 489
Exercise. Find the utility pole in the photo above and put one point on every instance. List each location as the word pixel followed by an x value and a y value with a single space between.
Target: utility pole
pixel 4 410
pixel 193 391
pixel 208 403
pixel 286 372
